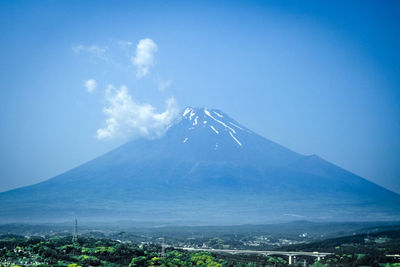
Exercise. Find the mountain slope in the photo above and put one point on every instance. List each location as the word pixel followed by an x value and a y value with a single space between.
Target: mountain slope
pixel 207 168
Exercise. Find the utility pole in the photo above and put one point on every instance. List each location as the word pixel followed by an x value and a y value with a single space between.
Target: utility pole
pixel 75 235
pixel 163 248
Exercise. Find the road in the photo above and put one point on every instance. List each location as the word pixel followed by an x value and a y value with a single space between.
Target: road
pixel 290 254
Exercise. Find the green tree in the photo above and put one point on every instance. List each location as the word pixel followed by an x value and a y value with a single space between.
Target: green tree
pixel 138 261
pixel 204 259
pixel 319 264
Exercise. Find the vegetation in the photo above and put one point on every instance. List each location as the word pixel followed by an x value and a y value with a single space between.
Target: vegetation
pixel 367 249
pixel 87 251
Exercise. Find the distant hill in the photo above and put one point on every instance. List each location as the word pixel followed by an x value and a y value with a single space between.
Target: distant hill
pixel 367 242
pixel 206 169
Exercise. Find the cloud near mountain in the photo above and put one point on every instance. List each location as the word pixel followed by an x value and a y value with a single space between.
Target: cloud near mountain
pixel 144 59
pixel 127 118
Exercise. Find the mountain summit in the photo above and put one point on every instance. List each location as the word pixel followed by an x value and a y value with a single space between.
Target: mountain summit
pixel 199 119
pixel 206 169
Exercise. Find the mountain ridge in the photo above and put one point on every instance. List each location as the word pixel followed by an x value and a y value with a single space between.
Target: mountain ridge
pixel 209 168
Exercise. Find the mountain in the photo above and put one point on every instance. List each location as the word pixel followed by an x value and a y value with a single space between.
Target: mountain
pixel 206 169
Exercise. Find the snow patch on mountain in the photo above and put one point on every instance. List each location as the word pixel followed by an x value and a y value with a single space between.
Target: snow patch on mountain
pixel 216 121
pixel 234 138
pixel 226 126
pixel 219 115
pixel 212 127
pixel 191 115
pixel 236 125
pixel 187 110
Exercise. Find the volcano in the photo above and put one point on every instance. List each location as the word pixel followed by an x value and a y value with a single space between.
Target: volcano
pixel 206 169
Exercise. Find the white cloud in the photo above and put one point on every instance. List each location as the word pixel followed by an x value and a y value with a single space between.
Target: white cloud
pixel 165 84
pixel 90 85
pixel 94 51
pixel 125 44
pixel 144 58
pixel 126 118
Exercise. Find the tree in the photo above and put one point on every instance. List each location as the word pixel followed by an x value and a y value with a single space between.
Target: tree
pixel 204 259
pixel 138 261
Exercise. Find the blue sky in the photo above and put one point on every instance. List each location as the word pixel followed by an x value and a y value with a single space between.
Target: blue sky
pixel 319 77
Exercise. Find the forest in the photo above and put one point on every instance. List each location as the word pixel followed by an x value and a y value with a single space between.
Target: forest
pixel 60 250
pixel 87 251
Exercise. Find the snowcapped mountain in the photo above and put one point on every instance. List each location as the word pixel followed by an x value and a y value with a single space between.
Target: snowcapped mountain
pixel 209 134
pixel 200 119
pixel 206 169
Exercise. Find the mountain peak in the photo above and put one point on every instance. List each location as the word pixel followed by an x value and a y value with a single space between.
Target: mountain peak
pixel 198 110
pixel 206 167
pixel 213 121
